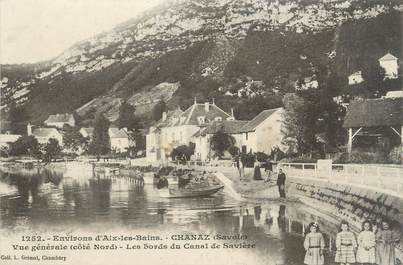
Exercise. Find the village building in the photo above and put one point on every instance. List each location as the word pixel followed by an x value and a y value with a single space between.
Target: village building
pixel 390 63
pixel 59 120
pixel 355 78
pixel 306 83
pixel 263 133
pixel 177 128
pixel 119 139
pixel 44 134
pixel 202 137
pixel 7 139
pixel 374 124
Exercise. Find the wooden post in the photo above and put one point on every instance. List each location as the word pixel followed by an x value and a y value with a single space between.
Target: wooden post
pixel 350 140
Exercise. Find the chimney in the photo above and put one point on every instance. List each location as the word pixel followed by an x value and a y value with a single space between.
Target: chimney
pixel 164 116
pixel 206 106
pixel 29 129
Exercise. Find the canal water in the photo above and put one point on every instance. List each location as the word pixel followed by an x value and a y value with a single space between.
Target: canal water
pixel 76 199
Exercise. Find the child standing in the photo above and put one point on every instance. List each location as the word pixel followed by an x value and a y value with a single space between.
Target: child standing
pixel 314 245
pixel 346 245
pixel 386 239
pixel 366 245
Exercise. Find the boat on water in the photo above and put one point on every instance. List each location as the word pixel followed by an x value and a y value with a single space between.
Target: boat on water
pixel 194 191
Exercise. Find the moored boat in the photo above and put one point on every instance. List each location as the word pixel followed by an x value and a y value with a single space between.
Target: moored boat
pixel 195 191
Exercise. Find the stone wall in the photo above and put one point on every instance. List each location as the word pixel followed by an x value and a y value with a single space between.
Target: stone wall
pixel 351 203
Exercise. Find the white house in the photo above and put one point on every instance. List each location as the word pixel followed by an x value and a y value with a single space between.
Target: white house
pixel 263 132
pixel 7 139
pixel 59 120
pixel 177 128
pixel 44 134
pixel 119 139
pixel 390 64
pixel 355 78
pixel 202 137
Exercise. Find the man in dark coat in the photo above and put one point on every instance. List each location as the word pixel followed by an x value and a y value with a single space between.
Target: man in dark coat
pixel 281 183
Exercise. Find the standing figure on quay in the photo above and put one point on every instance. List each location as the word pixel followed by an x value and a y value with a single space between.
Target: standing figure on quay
pixel 346 245
pixel 314 244
pixel 366 244
pixel 386 240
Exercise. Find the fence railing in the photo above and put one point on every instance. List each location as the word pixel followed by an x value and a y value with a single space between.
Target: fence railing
pixel 383 177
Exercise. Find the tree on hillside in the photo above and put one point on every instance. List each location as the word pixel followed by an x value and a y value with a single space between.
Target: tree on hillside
pixel 221 142
pixel 100 144
pixel 127 118
pixel 17 115
pixel 158 109
pixel 374 75
pixel 313 111
pixel 52 150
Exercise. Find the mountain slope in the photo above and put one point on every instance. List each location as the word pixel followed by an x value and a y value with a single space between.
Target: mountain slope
pixel 210 48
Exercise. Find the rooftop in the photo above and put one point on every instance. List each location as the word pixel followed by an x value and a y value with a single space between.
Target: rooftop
pixel 388 57
pixel 229 127
pixel 261 117
pixel 59 118
pixel 190 115
pixel 117 133
pixel 44 132
pixel 374 112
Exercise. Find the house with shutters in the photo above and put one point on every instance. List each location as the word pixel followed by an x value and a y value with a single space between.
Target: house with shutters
pixel 59 120
pixel 203 136
pixel 177 128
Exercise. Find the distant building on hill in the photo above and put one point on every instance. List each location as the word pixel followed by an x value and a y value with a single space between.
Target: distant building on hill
pixel 389 62
pixel 59 120
pixel 355 78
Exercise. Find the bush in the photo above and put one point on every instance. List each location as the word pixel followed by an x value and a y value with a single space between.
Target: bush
pixel 262 157
pixel 182 152
pixel 363 158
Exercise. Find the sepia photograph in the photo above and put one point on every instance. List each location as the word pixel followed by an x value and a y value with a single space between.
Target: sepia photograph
pixel 206 132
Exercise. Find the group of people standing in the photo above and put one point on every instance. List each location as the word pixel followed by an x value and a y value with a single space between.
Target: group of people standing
pixel 373 245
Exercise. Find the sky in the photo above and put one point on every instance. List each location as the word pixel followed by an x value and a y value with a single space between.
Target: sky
pixel 38 30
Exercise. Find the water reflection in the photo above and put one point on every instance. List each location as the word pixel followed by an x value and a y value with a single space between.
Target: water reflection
pixel 57 200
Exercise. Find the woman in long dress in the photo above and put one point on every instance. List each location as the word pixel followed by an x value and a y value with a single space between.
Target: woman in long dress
pixel 386 239
pixel 314 244
pixel 257 174
pixel 346 245
pixel 366 245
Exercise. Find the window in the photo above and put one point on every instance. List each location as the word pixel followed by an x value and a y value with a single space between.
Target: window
pixel 201 119
pixel 246 136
